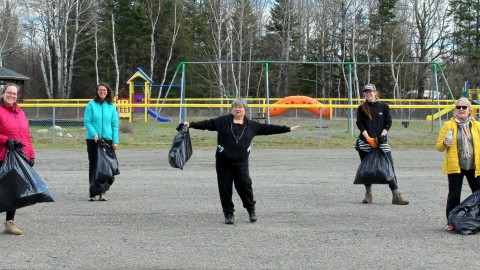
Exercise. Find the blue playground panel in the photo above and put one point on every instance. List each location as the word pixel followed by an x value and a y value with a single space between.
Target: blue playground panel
pixel 158 117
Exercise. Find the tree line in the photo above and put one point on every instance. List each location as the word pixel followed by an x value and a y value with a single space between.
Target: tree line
pixel 67 46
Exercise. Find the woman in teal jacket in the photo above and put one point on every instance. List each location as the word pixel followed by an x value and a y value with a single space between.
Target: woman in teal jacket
pixel 101 122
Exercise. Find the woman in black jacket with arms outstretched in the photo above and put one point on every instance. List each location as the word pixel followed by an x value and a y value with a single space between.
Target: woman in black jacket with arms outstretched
pixel 235 135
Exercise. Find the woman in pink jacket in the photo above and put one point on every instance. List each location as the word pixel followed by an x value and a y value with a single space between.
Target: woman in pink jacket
pixel 14 131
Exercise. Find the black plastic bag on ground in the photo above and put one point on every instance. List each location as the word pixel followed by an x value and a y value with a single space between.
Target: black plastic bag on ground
pixel 465 218
pixel 107 162
pixel 375 168
pixel 181 149
pixel 20 185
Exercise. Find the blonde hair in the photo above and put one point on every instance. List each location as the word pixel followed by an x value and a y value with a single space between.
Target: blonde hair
pixel 469 105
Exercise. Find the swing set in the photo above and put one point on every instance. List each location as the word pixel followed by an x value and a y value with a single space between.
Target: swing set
pixel 270 108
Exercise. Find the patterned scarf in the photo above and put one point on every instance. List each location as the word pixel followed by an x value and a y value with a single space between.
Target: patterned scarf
pixel 466 135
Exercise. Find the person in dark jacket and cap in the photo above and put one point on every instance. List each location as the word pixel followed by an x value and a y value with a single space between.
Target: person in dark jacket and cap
pixel 235 135
pixel 374 122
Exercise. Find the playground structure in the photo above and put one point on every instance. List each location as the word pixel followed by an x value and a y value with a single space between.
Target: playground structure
pixel 158 117
pixel 439 114
pixel 349 68
pixel 472 94
pixel 126 112
pixel 296 100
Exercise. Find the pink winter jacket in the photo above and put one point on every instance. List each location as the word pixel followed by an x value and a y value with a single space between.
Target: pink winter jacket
pixel 14 125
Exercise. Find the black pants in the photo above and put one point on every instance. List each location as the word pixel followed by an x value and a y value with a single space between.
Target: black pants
pixel 95 187
pixel 11 213
pixel 455 183
pixel 393 186
pixel 229 173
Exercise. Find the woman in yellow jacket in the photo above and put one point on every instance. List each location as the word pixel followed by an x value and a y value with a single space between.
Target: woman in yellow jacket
pixel 461 139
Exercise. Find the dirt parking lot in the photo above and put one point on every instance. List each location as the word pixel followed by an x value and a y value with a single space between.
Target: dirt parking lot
pixel 310 216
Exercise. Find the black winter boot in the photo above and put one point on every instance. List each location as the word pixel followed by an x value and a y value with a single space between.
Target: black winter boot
pixel 252 215
pixel 229 218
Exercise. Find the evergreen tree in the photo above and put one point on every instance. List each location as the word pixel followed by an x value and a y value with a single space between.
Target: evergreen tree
pixel 385 26
pixel 131 34
pixel 466 38
pixel 84 79
pixel 281 44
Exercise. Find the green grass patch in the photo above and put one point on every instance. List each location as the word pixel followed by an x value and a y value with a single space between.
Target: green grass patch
pixel 334 134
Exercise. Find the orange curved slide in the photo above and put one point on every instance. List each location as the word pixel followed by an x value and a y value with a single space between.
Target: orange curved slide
pixel 299 100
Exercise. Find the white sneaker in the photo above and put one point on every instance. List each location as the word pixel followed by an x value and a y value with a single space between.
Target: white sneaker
pixel 94 198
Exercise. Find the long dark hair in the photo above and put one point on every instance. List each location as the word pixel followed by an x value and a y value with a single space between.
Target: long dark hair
pixel 366 109
pixel 109 97
pixel 365 105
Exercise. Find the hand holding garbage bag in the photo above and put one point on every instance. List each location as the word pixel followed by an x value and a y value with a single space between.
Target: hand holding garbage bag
pixel 382 139
pixel 12 144
pixel 179 127
pixel 372 142
pixel 181 149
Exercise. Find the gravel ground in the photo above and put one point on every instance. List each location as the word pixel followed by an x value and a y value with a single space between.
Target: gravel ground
pixel 310 216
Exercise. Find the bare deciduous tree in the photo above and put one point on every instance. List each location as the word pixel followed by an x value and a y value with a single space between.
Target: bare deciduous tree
pixel 115 56
pixel 178 11
pixel 8 29
pixel 153 9
pixel 429 37
pixel 219 16
pixel 58 25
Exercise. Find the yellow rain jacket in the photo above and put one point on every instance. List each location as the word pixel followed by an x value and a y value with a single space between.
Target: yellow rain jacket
pixel 451 163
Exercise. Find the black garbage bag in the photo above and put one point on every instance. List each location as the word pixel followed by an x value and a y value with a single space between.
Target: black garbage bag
pixel 107 162
pixel 20 185
pixel 375 168
pixel 181 149
pixel 465 218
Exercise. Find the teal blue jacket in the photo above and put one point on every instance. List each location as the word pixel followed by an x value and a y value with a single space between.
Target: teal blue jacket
pixel 101 119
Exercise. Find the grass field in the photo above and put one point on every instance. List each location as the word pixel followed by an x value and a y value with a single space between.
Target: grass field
pixel 334 134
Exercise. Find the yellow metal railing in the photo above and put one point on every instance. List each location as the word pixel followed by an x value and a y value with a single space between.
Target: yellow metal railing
pixel 263 100
pixel 126 108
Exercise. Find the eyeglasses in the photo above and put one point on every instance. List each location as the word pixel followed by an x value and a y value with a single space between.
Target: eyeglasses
pixel 11 93
pixel 461 107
